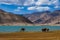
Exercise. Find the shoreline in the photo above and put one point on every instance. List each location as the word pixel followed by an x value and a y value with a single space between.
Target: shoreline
pixel 27 24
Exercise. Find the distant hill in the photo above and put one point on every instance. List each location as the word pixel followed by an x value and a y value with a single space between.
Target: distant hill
pixel 45 17
pixel 7 17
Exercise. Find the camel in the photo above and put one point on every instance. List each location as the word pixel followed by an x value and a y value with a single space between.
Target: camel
pixel 45 30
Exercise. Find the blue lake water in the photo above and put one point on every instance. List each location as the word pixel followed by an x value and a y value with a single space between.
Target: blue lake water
pixel 28 28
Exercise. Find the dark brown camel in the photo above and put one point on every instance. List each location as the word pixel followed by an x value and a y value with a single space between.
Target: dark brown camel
pixel 22 29
pixel 45 30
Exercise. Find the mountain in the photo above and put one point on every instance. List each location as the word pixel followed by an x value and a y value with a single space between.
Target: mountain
pixel 7 17
pixel 35 16
pixel 55 17
pixel 45 17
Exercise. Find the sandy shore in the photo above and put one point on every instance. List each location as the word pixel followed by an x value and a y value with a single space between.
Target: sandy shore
pixel 31 36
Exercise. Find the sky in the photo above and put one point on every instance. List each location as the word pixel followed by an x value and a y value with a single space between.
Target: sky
pixel 29 6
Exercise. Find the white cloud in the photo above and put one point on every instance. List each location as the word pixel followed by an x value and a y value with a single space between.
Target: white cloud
pixel 5 3
pixel 57 7
pixel 39 2
pixel 18 9
pixel 9 2
pixel 39 8
pixel 56 3
pixel 29 2
pixel 31 8
pixel 43 8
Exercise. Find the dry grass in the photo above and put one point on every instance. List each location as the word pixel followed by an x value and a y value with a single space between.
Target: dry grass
pixel 31 36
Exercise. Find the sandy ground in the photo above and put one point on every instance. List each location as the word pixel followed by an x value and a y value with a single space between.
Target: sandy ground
pixel 31 36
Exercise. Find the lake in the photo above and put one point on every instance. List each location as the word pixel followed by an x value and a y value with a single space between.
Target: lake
pixel 28 28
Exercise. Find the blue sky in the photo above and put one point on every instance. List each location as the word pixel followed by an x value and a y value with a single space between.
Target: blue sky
pixel 29 6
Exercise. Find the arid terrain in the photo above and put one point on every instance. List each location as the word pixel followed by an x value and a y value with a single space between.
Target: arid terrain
pixel 31 36
pixel 37 18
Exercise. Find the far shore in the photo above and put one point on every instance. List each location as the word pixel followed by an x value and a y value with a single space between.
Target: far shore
pixel 27 24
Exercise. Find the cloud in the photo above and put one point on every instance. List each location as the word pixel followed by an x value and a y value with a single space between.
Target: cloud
pixel 56 7
pixel 39 8
pixel 29 2
pixel 37 4
pixel 5 3
pixel 23 2
pixel 43 8
pixel 9 2
pixel 18 9
pixel 57 4
pixel 31 8
pixel 40 2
